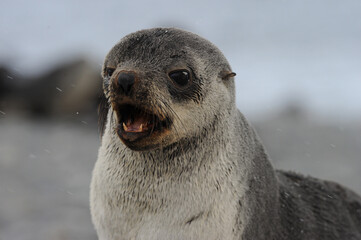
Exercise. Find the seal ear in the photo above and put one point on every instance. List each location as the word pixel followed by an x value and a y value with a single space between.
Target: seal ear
pixel 225 75
pixel 103 109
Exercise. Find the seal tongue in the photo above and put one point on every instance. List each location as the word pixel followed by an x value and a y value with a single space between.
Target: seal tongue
pixel 138 124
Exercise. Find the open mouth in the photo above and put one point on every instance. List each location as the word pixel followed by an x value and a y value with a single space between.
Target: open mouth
pixel 136 123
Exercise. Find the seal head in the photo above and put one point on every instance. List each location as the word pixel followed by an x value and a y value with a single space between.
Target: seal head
pixel 155 81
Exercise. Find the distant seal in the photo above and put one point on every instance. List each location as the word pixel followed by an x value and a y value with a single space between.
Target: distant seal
pixel 179 161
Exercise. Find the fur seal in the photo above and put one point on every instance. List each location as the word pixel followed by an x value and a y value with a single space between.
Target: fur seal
pixel 179 161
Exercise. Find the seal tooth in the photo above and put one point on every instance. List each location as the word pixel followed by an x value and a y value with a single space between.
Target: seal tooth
pixel 125 127
pixel 141 127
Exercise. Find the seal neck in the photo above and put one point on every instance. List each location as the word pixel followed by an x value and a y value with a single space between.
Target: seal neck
pixel 224 164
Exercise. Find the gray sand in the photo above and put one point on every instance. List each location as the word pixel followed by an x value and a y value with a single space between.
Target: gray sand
pixel 45 171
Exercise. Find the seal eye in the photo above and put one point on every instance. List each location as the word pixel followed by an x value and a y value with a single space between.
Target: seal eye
pixel 109 71
pixel 181 77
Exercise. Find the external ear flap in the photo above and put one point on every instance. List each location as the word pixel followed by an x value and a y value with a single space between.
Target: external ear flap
pixel 103 109
pixel 227 75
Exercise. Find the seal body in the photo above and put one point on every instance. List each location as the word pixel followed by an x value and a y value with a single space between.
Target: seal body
pixel 179 161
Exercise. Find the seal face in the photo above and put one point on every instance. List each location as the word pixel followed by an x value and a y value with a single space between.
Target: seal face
pixel 150 73
pixel 138 122
pixel 141 121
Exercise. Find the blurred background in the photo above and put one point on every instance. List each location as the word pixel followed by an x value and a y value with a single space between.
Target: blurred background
pixel 298 66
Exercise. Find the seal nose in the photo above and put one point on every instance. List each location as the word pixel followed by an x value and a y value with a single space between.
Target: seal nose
pixel 126 82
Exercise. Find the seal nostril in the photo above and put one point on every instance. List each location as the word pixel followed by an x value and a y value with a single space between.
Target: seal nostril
pixel 126 82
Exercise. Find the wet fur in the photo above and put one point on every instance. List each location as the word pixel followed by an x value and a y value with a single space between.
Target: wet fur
pixel 210 178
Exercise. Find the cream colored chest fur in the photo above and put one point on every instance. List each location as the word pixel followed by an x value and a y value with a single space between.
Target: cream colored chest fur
pixel 197 206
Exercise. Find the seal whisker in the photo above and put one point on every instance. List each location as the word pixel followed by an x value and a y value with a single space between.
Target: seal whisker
pixel 174 114
pixel 113 121
pixel 153 118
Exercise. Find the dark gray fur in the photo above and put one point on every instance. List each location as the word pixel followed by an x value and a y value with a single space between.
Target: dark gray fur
pixel 210 178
